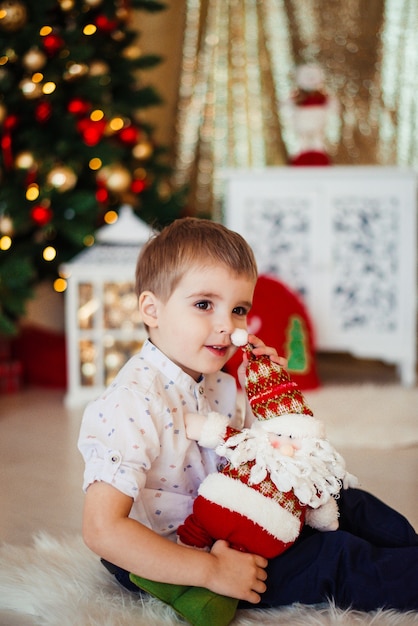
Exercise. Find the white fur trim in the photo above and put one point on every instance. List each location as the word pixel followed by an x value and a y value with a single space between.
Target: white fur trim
pixel 213 430
pixel 294 425
pixel 325 517
pixel 236 496
pixel 239 337
pixel 350 481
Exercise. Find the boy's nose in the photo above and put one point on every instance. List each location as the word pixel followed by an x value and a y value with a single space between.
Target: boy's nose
pixel 225 327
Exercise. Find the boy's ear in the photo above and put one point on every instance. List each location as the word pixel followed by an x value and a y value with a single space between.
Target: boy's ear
pixel 147 303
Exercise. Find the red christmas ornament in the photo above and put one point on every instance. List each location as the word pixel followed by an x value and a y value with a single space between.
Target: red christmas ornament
pixel 31 176
pixel 41 215
pixel 129 135
pixel 91 131
pixel 10 123
pixel 78 106
pixel 106 25
pixel 43 112
pixel 52 44
pixel 6 147
pixel 102 194
pixel 138 185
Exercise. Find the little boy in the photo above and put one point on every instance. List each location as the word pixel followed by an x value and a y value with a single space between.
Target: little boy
pixel 195 282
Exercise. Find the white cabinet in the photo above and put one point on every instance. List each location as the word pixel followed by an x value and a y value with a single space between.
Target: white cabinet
pixel 345 239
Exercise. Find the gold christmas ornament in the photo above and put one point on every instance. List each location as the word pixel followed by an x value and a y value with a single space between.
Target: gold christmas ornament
pixel 34 59
pixel 116 177
pixel 119 180
pixel 6 225
pixel 75 71
pixel 25 160
pixel 131 52
pixel 13 15
pixel 98 68
pixel 118 35
pixel 66 5
pixel 10 56
pixel 164 190
pixel 30 89
pixel 93 4
pixel 62 178
pixel 140 173
pixel 122 13
pixel 142 150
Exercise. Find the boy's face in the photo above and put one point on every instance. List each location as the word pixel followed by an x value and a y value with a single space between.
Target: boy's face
pixel 193 328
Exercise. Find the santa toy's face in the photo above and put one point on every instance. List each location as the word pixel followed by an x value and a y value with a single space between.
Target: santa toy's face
pixel 284 444
pixel 309 77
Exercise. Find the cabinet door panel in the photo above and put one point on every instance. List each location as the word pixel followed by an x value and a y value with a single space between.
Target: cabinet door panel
pixel 278 225
pixel 345 240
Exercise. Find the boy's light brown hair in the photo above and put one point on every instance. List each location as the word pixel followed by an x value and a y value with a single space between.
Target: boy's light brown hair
pixel 190 242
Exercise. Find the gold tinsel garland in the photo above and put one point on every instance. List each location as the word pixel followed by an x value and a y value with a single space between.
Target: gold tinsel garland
pixel 237 70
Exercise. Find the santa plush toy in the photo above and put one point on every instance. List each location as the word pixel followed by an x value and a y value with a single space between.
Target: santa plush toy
pixel 276 476
pixel 308 111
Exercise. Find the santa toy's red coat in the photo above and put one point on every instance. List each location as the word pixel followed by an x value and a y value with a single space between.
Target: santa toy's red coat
pixel 254 518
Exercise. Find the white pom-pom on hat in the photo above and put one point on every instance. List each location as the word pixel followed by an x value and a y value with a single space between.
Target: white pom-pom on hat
pixel 239 337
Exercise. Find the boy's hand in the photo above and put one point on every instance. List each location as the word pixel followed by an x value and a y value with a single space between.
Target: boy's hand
pixel 259 349
pixel 237 574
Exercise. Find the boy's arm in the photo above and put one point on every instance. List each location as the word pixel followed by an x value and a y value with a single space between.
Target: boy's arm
pixel 110 533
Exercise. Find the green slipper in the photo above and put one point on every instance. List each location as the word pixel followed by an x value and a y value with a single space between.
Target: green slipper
pixel 199 606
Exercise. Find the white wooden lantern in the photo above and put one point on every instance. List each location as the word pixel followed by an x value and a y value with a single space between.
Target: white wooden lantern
pixel 103 325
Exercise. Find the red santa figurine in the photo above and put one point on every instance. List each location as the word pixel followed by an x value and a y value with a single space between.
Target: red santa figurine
pixel 308 111
pixel 276 475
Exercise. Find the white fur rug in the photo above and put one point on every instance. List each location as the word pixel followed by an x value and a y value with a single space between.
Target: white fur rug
pixel 367 416
pixel 60 582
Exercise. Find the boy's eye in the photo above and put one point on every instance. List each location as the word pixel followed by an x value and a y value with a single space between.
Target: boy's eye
pixel 203 305
pixel 240 310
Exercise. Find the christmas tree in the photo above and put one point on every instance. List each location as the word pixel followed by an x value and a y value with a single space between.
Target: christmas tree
pixel 74 142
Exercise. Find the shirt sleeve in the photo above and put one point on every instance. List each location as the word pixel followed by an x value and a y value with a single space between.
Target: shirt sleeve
pixel 118 441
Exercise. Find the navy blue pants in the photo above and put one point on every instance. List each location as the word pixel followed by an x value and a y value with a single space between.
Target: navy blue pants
pixel 370 562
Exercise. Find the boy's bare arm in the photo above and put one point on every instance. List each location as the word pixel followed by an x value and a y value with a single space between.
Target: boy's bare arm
pixel 110 533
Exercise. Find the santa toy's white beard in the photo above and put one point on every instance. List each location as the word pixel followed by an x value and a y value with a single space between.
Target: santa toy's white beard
pixel 315 473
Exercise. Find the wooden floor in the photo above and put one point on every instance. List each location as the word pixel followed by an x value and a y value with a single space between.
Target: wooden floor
pixel 41 469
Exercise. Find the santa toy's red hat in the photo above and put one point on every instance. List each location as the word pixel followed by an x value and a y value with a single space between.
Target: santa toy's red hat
pixel 276 400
